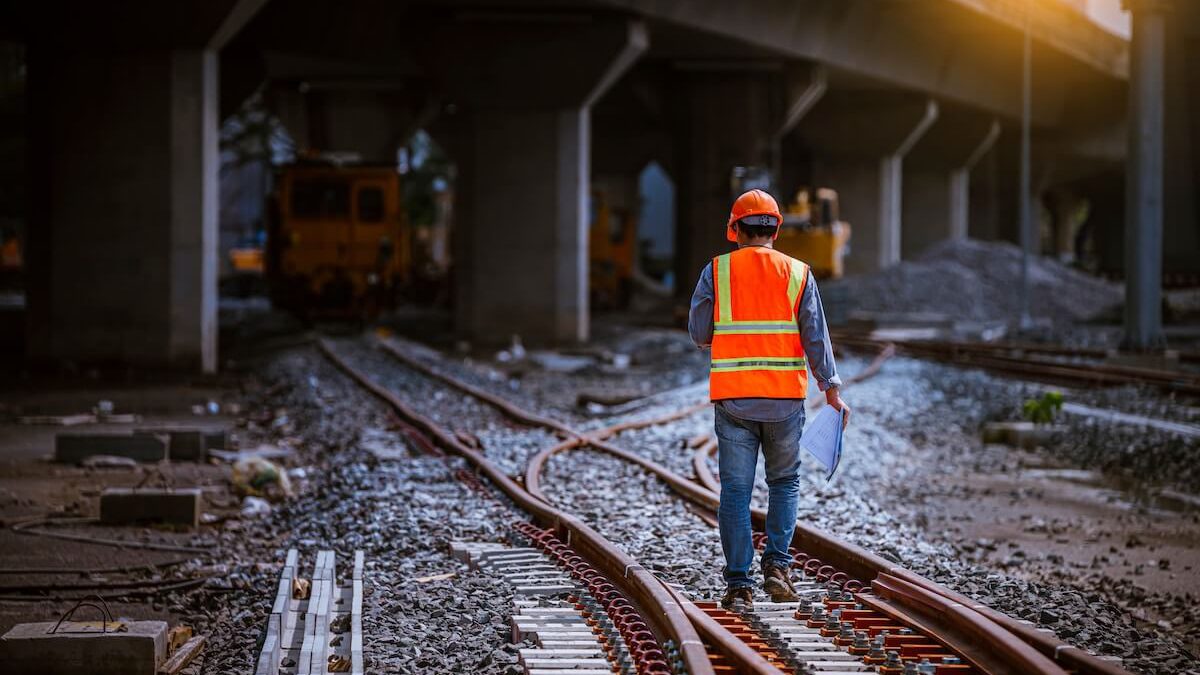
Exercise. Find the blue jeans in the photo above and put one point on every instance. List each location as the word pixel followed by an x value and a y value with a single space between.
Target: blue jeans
pixel 738 442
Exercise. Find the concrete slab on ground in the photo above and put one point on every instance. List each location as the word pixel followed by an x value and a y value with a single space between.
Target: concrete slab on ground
pixel 72 448
pixel 187 444
pixel 123 506
pixel 82 648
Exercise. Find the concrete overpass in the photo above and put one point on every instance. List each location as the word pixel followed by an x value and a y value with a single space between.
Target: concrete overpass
pixel 898 104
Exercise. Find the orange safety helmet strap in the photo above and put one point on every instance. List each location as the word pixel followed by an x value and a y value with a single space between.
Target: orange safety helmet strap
pixel 752 203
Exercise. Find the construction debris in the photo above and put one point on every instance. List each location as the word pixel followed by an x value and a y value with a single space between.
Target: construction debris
pixel 108 462
pixel 181 657
pixel 258 477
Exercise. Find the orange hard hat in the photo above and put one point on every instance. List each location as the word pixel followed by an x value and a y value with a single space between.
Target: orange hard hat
pixel 752 203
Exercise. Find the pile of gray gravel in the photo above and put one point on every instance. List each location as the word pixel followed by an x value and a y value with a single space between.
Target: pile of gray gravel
pixel 978 281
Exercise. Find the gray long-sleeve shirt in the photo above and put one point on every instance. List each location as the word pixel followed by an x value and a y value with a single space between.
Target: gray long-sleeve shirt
pixel 814 336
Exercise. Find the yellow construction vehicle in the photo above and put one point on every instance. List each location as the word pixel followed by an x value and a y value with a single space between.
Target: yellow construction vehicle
pixel 247 260
pixel 339 242
pixel 813 233
pixel 612 241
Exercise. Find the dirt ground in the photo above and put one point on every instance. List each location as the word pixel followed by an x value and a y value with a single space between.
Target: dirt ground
pixel 1061 516
pixel 33 487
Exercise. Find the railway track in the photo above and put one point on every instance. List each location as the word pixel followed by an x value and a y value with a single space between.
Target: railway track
pixel 861 613
pixel 1076 367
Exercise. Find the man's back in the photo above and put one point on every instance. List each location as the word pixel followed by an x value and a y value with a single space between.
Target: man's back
pixel 759 311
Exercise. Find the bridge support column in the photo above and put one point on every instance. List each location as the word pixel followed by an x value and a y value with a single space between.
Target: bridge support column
pixel 521 257
pixel 124 207
pixel 891 189
pixel 1144 220
pixel 521 138
pixel 960 185
pixel 859 143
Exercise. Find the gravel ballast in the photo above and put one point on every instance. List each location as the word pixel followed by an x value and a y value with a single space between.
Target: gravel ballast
pixel 404 513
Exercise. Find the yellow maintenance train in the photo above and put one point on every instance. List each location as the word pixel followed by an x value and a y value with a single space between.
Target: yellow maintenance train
pixel 339 242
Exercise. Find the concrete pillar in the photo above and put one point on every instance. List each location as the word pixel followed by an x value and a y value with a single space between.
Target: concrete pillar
pixel 1144 219
pixel 195 168
pixel 891 189
pixel 124 210
pixel 960 185
pixel 521 139
pixel 523 259
pixel 860 143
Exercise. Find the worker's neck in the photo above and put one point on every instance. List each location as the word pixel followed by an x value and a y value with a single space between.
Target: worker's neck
pixel 766 242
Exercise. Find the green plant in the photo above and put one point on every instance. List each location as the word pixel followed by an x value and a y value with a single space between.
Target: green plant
pixel 1043 410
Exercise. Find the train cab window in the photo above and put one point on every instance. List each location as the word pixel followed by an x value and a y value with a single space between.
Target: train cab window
pixel 370 205
pixel 318 199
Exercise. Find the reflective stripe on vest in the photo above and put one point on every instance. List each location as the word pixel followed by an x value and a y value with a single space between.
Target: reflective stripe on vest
pixel 757 351
pixel 756 327
pixel 760 363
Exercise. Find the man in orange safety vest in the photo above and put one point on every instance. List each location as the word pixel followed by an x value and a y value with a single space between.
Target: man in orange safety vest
pixel 760 313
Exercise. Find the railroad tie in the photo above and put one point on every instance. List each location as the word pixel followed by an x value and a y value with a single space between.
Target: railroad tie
pixel 571 633
pixel 315 626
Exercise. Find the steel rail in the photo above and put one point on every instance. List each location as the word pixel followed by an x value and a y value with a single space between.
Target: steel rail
pixel 985 643
pixel 849 558
pixel 844 556
pixel 748 660
pixel 1069 656
pixel 1001 359
pixel 1072 657
pixel 1023 347
pixel 662 610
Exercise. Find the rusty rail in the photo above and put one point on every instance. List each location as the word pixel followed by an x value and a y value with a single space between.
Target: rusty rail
pixel 869 565
pixel 852 560
pixel 1004 359
pixel 984 643
pixel 661 608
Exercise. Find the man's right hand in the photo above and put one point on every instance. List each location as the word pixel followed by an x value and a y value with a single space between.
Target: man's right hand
pixel 834 399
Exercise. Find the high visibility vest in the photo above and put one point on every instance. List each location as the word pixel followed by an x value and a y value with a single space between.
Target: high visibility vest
pixel 756 348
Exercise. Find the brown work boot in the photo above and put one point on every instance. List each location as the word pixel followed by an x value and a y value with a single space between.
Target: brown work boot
pixel 742 593
pixel 778 584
